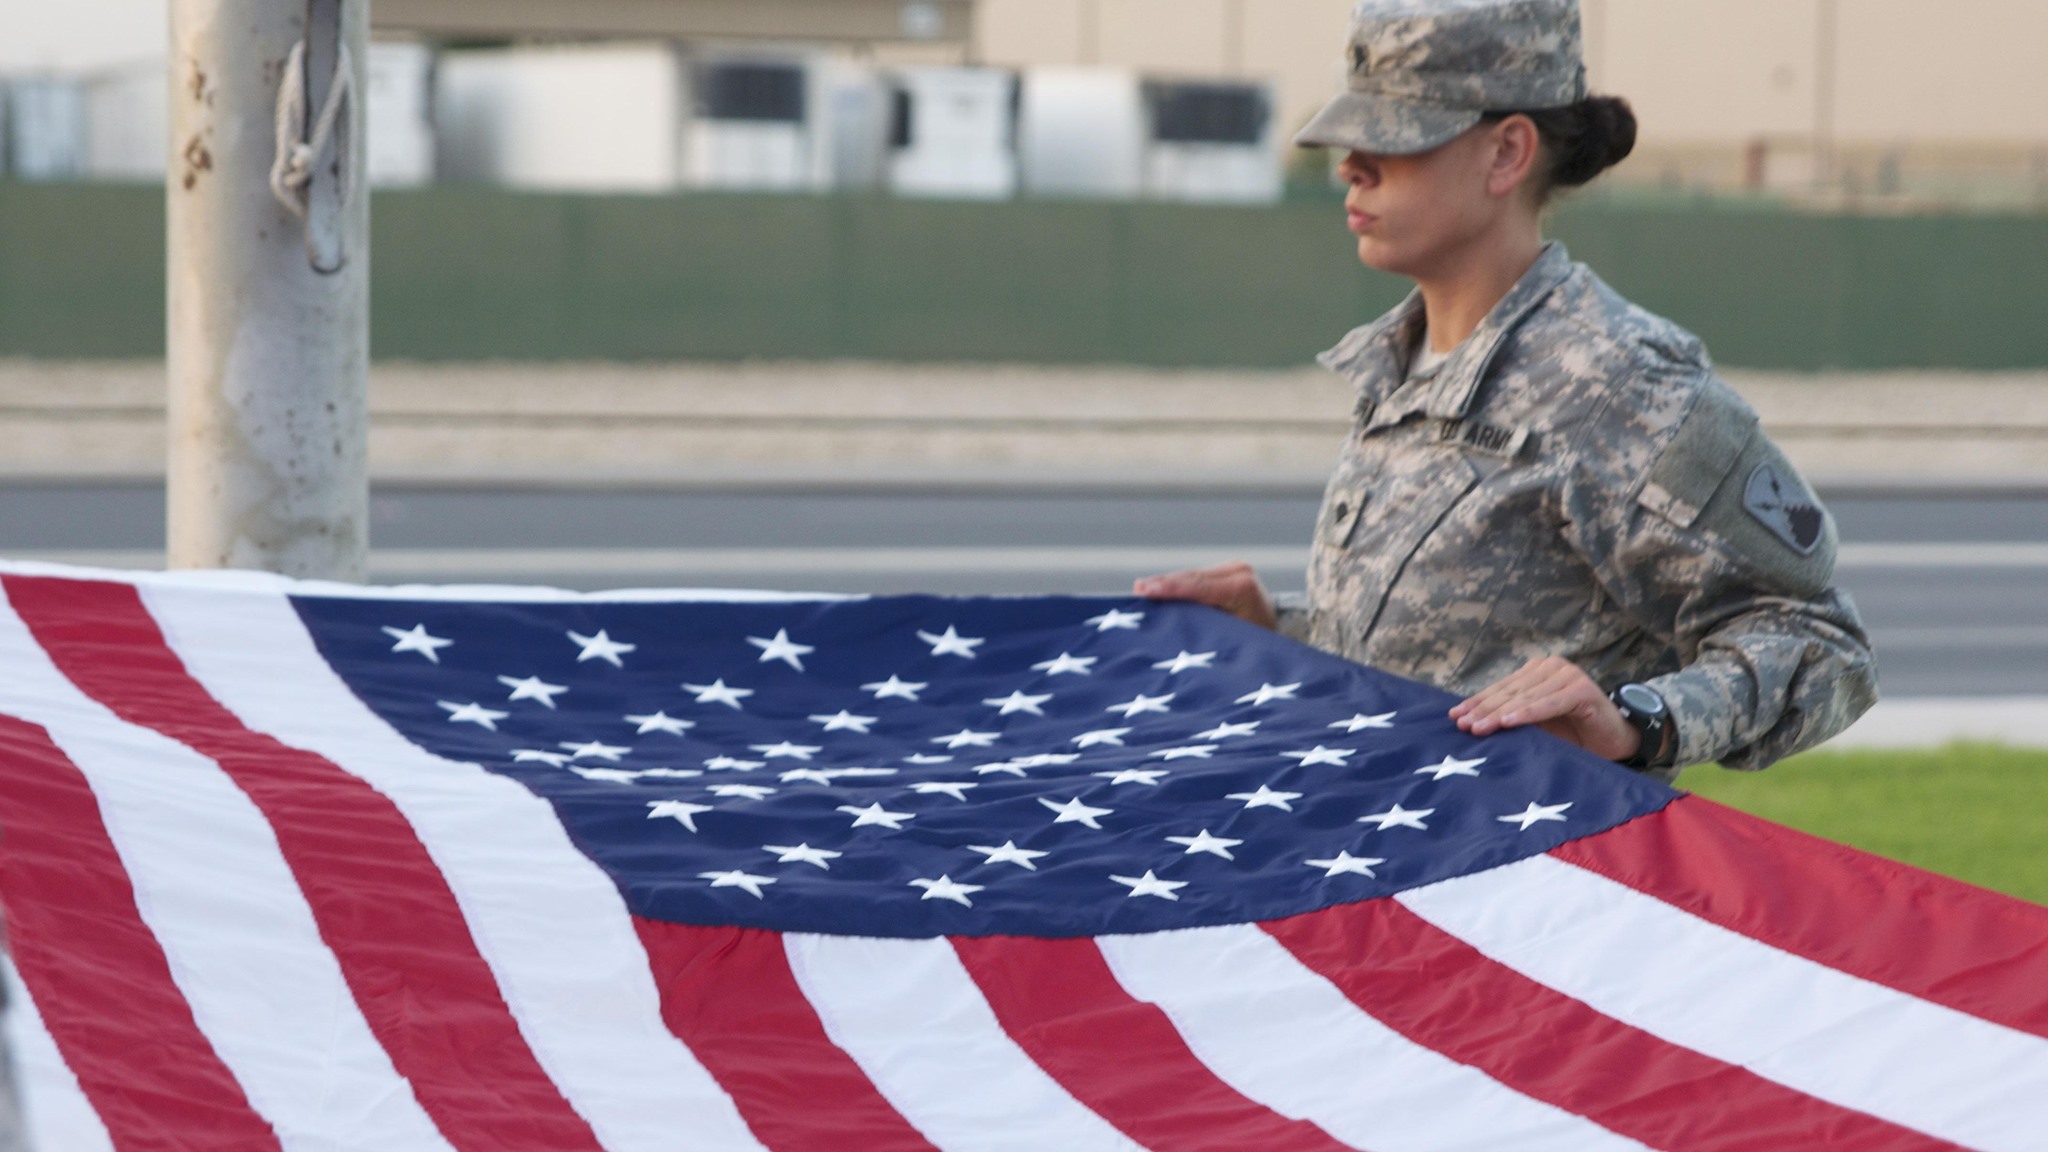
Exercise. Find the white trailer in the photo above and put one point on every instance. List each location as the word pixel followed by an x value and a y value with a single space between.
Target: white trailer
pixel 1211 141
pixel 953 133
pixel 591 118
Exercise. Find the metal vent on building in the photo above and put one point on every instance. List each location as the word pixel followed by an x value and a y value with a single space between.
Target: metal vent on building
pixel 752 91
pixel 1207 113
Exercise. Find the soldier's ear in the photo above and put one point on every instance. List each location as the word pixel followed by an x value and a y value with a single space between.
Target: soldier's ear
pixel 1516 154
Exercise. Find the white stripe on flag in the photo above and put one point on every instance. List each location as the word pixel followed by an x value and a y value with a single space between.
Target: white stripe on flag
pixel 549 922
pixel 1286 1037
pixel 214 889
pixel 55 1115
pixel 917 1024
pixel 1825 1033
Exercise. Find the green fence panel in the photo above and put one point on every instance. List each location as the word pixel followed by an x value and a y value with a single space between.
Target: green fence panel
pixel 464 273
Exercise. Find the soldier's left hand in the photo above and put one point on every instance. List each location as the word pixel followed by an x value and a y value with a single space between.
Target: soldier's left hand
pixel 1557 696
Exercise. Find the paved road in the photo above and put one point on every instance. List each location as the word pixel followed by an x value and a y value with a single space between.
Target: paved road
pixel 1955 588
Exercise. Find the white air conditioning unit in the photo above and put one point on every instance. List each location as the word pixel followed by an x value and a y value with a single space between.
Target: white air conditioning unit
pixel 1211 141
pixel 953 133
pixel 755 124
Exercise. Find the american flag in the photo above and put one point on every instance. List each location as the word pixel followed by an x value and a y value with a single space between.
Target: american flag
pixel 315 867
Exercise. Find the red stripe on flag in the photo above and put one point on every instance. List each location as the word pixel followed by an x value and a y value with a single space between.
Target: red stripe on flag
pixel 1120 1056
pixel 728 994
pixel 381 905
pixel 1442 993
pixel 99 977
pixel 1938 939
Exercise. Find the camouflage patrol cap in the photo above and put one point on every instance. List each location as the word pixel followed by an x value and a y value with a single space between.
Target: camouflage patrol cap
pixel 1422 71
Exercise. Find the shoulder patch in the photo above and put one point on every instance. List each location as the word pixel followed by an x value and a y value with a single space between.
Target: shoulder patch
pixel 1781 505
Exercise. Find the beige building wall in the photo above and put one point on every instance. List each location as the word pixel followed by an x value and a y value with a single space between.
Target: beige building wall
pixel 1699 71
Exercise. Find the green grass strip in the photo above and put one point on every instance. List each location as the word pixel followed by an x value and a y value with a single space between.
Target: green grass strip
pixel 1976 812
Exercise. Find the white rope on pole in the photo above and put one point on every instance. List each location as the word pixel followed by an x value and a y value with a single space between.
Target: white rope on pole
pixel 298 152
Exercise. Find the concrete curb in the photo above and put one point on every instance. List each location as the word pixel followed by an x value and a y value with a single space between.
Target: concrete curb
pixel 1000 426
pixel 1931 721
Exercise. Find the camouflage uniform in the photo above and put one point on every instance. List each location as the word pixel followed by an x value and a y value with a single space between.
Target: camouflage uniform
pixel 1575 481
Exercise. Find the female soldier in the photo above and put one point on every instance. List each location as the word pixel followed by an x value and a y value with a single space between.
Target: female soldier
pixel 1549 504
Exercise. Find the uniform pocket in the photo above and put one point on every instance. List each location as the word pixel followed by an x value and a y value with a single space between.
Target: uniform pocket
pixel 1343 508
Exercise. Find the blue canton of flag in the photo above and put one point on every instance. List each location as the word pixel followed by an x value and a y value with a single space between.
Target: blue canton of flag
pixel 919 766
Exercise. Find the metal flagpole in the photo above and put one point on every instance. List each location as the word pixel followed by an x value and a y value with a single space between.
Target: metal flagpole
pixel 268 256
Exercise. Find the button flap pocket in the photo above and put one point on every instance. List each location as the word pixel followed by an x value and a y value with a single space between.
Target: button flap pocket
pixel 1342 510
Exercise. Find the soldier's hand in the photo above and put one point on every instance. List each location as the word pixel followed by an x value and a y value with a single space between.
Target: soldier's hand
pixel 1556 695
pixel 1232 588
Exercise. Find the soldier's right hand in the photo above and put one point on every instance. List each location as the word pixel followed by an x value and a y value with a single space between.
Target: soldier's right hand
pixel 1232 588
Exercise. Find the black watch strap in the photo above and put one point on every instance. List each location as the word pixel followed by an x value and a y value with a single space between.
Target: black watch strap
pixel 1644 710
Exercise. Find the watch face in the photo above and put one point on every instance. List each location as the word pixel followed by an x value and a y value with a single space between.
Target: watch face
pixel 1641 700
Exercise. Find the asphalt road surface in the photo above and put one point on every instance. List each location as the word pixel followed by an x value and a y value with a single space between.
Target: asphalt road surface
pixel 1955 587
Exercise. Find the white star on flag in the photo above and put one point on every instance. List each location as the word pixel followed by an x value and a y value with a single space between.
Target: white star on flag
pixel 1266 797
pixel 947 888
pixel 727 763
pixel 1075 812
pixel 957 791
pixel 1009 853
pixel 552 759
pixel 1151 885
pixel 1344 863
pixel 1536 813
pixel 533 688
pixel 743 791
pixel 1019 702
pixel 1267 693
pixel 601 647
pixel 967 738
pixel 1321 755
pixel 828 775
pixel 1114 736
pixel 893 686
pixel 1185 661
pixel 1143 704
pixel 1190 752
pixel 1114 619
pixel 786 751
pixel 876 814
pixel 1398 816
pixel 1213 845
pixel 845 721
pixel 1226 730
pixel 951 643
pixel 803 854
pixel 594 748
pixel 1064 664
pixel 751 884
pixel 1452 766
pixel 472 713
pixel 415 639
pixel 1361 721
pixel 681 811
pixel 1150 776
pixel 922 759
pixel 716 692
pixel 660 722
pixel 781 647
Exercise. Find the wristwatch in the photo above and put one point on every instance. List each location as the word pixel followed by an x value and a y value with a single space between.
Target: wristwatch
pixel 1645 712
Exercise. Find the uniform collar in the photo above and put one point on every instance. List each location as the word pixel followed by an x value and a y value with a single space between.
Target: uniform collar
pixel 1380 352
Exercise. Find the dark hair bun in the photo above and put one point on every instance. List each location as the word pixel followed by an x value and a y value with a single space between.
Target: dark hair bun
pixel 1597 133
